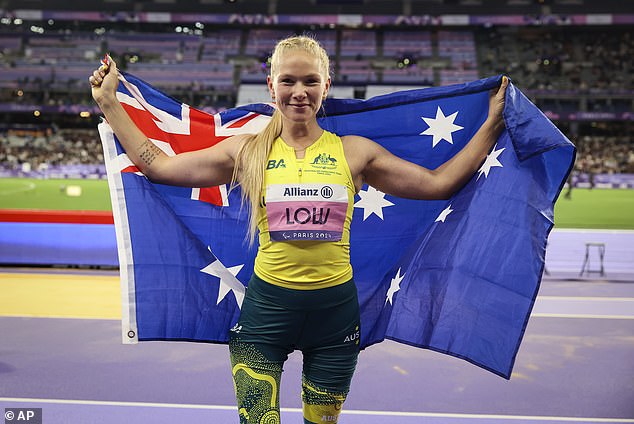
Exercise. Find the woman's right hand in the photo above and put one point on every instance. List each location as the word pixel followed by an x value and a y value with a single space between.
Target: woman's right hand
pixel 104 81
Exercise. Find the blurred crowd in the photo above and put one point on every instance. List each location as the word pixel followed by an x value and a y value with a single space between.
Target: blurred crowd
pixel 583 61
pixel 563 69
pixel 548 59
pixel 605 155
pixel 35 151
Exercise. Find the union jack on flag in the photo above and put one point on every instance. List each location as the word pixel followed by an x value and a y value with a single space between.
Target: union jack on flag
pixel 458 276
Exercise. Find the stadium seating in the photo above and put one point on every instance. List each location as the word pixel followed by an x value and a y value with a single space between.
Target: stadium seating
pixel 577 74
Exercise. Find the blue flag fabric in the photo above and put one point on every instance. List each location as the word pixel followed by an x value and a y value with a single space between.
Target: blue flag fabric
pixel 458 276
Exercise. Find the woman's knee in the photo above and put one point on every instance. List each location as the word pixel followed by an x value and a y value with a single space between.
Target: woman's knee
pixel 257 384
pixel 321 405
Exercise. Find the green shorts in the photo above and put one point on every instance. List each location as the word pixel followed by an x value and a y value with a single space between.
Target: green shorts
pixel 274 321
pixel 323 324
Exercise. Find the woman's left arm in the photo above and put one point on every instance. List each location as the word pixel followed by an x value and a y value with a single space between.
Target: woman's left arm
pixel 374 165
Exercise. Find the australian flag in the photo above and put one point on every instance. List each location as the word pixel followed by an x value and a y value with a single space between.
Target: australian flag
pixel 458 276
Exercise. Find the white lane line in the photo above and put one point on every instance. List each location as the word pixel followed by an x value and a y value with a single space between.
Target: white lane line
pixel 584 307
pixel 299 410
pixel 591 231
pixel 590 298
pixel 584 316
pixel 59 316
pixel 114 403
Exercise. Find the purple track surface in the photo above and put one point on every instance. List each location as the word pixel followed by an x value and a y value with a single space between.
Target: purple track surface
pixel 576 364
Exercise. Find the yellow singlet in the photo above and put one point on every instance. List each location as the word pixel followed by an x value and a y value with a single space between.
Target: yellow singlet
pixel 304 217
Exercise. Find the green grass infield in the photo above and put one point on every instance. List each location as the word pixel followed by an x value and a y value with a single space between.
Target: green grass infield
pixel 53 194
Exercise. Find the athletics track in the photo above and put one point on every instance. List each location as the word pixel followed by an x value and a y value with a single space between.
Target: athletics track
pixel 61 352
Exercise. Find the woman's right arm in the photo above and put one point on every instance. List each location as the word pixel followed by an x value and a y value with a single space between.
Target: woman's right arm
pixel 201 168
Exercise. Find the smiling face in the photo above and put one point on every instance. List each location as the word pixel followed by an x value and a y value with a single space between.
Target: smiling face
pixel 298 83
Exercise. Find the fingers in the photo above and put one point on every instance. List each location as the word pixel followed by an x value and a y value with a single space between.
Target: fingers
pixel 497 99
pixel 503 85
pixel 107 66
pixel 105 62
pixel 97 77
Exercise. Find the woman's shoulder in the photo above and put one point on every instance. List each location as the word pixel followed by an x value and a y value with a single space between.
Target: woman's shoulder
pixel 355 139
pixel 358 148
pixel 356 143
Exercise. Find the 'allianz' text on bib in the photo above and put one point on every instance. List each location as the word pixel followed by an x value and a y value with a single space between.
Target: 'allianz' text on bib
pixel 306 211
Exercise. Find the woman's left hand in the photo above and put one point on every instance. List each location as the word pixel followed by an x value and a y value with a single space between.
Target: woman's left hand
pixel 496 101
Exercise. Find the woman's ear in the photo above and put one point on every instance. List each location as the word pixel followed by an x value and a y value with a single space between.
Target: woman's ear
pixel 269 83
pixel 326 88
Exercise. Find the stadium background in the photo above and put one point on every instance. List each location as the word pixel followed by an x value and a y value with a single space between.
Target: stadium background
pixel 573 58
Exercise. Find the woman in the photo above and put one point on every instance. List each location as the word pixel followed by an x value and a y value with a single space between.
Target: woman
pixel 299 182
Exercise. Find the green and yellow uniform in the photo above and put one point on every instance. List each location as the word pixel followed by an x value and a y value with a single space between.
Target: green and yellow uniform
pixel 301 295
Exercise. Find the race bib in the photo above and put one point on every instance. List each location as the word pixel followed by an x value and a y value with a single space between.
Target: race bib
pixel 306 211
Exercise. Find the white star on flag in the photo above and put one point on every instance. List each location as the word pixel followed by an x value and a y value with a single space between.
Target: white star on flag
pixel 444 214
pixel 372 202
pixel 228 280
pixel 442 127
pixel 395 285
pixel 490 162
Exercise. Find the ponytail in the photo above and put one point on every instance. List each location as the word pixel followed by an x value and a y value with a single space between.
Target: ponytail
pixel 248 171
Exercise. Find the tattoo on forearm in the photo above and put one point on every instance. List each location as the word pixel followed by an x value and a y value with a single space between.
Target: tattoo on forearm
pixel 148 152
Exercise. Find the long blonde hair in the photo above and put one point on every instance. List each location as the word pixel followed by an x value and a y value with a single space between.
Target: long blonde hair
pixel 251 159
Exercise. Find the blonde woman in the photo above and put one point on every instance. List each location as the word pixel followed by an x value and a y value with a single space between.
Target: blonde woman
pixel 299 182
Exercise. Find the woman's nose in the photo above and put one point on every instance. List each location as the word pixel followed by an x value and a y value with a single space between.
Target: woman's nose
pixel 299 91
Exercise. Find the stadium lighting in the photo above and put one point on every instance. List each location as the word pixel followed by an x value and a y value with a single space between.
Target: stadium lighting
pixel 405 62
pixel 36 113
pixel 84 114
